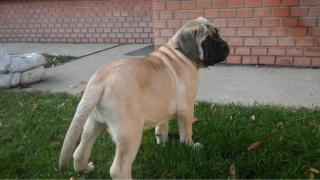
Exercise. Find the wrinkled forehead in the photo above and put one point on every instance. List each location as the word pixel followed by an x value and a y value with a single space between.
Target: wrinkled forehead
pixel 202 25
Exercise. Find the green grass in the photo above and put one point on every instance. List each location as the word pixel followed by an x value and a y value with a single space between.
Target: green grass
pixel 57 60
pixel 30 141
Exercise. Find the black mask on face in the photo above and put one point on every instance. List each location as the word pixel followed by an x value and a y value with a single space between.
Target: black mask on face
pixel 215 50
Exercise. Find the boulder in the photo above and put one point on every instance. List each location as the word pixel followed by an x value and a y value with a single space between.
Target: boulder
pixel 5 80
pixel 20 69
pixel 32 75
pixel 15 79
pixel 21 63
pixel 4 61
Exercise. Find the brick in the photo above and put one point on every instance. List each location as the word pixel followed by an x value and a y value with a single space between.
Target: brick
pixel 233 60
pixel 308 21
pixel 158 6
pixel 309 2
pixel 228 13
pixel 298 31
pixel 174 5
pixel 267 60
pixel 166 32
pixel 251 41
pixel 234 22
pixel 253 3
pixel 96 35
pixel 147 41
pixel 228 31
pixel 120 35
pixel 259 51
pixel 304 41
pixel 235 3
pixel 315 62
pixel 196 13
pixel 146 35
pixel 166 15
pixel 314 31
pixel 242 51
pixel 138 30
pixel 137 35
pixel 284 60
pixel 231 52
pixel 103 35
pixel 315 11
pixel 268 41
pixel 317 42
pixel 301 61
pixel 299 11
pixel 276 51
pixel 268 22
pixel 252 22
pixel 280 11
pixel 211 13
pixel 235 41
pixel 282 31
pixel 181 15
pixel 295 51
pixel 289 22
pixel 204 4
pixel 174 23
pixel 262 12
pixel 219 22
pixel 245 32
pixel 249 59
pixel 188 5
pixel 155 15
pixel 289 2
pixel 217 4
pixel 244 12
pixel 315 51
pixel 160 23
pixel 267 3
pixel 286 42
pixel 261 32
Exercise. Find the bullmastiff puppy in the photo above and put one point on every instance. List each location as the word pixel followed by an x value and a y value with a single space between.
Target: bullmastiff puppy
pixel 128 95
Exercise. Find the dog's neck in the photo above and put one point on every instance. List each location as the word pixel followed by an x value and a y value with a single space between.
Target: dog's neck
pixel 171 51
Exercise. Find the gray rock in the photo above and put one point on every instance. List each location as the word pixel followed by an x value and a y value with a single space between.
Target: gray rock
pixel 32 75
pixel 21 63
pixel 4 80
pixel 15 79
pixel 4 61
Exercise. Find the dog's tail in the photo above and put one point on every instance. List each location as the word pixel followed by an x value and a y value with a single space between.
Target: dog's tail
pixel 89 100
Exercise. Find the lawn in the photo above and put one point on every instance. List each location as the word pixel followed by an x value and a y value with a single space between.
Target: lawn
pixel 283 142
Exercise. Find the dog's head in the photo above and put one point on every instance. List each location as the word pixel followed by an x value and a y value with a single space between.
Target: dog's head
pixel 200 41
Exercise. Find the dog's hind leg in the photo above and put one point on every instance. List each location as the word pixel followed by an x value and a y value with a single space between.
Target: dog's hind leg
pixel 185 127
pixel 81 156
pixel 161 132
pixel 127 143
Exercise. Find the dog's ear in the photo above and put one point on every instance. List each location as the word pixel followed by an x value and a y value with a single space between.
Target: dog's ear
pixel 187 45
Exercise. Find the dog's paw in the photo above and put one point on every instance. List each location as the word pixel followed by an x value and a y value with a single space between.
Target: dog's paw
pixel 90 168
pixel 197 146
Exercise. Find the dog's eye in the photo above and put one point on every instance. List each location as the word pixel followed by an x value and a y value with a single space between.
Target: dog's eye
pixel 207 39
pixel 217 31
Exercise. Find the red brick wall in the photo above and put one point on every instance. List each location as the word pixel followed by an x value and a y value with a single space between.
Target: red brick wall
pixel 271 32
pixel 81 21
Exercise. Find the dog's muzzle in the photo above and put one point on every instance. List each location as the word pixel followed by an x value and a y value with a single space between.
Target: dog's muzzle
pixel 223 50
pixel 215 50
